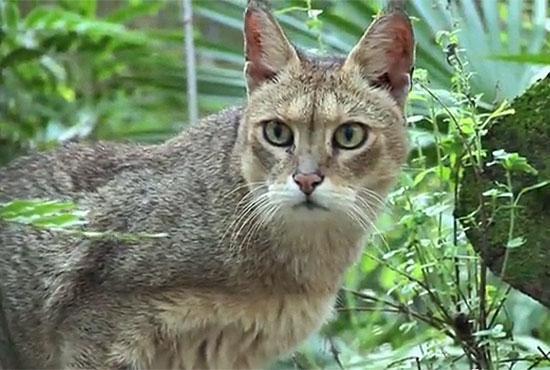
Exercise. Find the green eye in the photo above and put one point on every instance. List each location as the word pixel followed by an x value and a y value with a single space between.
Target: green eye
pixel 278 134
pixel 350 135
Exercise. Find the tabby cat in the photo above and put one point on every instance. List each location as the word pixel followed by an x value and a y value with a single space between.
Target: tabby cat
pixel 258 210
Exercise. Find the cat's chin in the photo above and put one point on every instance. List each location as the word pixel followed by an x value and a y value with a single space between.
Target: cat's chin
pixel 310 205
pixel 310 213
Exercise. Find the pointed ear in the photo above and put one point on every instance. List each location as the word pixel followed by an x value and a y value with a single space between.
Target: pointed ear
pixel 385 55
pixel 267 49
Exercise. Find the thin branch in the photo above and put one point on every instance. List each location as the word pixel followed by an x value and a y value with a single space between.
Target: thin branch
pixel 417 360
pixel 544 354
pixel 399 308
pixel 435 299
pixel 498 306
pixel 336 354
pixel 192 103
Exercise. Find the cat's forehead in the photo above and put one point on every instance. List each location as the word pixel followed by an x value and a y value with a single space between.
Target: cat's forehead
pixel 313 89
pixel 316 72
pixel 327 96
pixel 319 92
pixel 318 105
pixel 318 61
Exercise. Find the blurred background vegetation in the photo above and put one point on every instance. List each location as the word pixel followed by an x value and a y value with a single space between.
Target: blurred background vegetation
pixel 420 297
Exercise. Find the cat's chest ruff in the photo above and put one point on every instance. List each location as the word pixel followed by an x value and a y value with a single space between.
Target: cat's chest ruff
pixel 235 332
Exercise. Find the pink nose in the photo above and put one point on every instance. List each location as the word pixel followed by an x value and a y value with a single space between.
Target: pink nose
pixel 307 182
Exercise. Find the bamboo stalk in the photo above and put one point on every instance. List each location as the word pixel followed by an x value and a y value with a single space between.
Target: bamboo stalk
pixel 192 101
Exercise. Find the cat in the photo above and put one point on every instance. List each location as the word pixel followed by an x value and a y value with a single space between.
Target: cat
pixel 258 211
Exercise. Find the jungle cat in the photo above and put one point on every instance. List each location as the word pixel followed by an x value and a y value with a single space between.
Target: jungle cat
pixel 258 211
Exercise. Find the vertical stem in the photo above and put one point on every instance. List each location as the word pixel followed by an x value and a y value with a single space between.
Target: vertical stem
pixel 455 236
pixel 192 104
pixel 512 221
pixel 483 350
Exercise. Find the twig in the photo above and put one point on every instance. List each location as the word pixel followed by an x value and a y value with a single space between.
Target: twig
pixel 544 354
pixel 399 361
pixel 498 307
pixel 433 321
pixel 422 284
pixel 297 364
pixel 534 364
pixel 192 104
pixel 336 354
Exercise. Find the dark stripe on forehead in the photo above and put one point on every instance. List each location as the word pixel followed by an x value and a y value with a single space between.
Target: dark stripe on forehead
pixel 315 94
pixel 311 124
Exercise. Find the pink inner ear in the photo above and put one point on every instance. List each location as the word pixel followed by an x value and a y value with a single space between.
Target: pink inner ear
pixel 400 59
pixel 257 70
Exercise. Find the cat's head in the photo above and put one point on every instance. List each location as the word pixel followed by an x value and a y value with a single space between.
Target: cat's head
pixel 324 137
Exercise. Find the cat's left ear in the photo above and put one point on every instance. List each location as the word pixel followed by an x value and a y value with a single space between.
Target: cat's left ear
pixel 385 54
pixel 267 49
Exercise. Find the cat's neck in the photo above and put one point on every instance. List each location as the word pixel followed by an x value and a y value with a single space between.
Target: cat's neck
pixel 285 254
pixel 301 258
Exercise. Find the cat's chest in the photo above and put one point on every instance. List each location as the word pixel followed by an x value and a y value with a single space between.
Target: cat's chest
pixel 235 332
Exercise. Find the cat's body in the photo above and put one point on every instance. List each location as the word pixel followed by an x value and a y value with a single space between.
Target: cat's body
pixel 272 298
pixel 239 265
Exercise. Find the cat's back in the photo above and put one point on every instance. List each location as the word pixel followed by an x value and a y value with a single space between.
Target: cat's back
pixel 68 171
pixel 126 188
pixel 74 168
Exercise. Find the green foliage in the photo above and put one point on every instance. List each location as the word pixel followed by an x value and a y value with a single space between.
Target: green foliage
pixel 43 214
pixel 526 58
pixel 420 298
pixel 512 162
pixel 66 74
pixel 486 30
pixel 62 217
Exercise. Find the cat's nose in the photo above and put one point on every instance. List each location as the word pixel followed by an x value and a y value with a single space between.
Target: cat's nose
pixel 307 182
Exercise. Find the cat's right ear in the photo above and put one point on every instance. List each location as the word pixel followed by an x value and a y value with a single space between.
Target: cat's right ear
pixel 267 49
pixel 385 54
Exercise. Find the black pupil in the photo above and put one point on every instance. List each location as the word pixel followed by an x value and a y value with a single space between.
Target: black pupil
pixel 348 133
pixel 278 130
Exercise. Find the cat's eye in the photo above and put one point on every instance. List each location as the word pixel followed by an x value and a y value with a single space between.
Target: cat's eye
pixel 278 134
pixel 350 135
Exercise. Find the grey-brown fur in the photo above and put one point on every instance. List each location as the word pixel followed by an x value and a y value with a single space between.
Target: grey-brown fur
pixel 216 289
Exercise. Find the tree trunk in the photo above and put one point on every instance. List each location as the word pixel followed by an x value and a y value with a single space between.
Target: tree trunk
pixel 527 132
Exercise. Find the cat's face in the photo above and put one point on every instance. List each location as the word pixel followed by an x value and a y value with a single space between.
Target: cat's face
pixel 322 139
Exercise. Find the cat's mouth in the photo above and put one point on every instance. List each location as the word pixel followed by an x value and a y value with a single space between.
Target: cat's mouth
pixel 309 204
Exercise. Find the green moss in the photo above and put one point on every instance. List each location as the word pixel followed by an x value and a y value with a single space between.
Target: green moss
pixel 527 132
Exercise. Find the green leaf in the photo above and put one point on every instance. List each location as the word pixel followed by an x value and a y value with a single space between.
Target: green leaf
pixel 12 16
pixel 496 332
pixel 33 207
pixel 515 243
pixel 20 55
pixel 45 214
pixel 512 162
pixel 524 58
pixel 58 221
pixel 133 11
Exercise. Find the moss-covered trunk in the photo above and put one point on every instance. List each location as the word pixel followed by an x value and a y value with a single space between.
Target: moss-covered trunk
pixel 527 132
